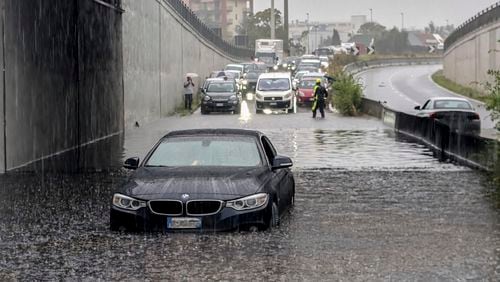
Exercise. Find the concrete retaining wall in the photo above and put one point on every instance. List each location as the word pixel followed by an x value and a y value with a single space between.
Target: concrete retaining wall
pixel 360 66
pixel 2 92
pixel 468 60
pixel 63 86
pixel 159 49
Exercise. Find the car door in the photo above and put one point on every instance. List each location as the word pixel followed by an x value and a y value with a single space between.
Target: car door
pixel 280 179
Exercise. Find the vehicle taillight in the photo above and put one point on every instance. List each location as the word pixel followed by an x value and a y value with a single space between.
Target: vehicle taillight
pixel 474 116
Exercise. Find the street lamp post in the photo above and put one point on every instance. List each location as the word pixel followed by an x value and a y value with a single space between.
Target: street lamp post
pixel 371 15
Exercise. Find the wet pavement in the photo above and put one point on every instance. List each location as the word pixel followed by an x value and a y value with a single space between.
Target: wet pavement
pixel 370 206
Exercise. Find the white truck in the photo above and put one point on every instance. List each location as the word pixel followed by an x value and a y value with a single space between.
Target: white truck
pixel 269 51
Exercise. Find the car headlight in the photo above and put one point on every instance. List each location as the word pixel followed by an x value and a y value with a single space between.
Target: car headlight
pixel 285 65
pixel 206 98
pixel 248 203
pixel 127 203
pixel 293 68
pixel 288 96
pixel 301 94
pixel 233 97
pixel 275 67
pixel 259 96
pixel 245 82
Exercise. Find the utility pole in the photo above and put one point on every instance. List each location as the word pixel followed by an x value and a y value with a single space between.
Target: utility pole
pixel 308 31
pixel 273 21
pixel 402 21
pixel 371 15
pixel 287 36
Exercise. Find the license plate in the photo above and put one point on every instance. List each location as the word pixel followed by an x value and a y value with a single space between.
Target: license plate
pixel 219 105
pixel 183 223
pixel 273 104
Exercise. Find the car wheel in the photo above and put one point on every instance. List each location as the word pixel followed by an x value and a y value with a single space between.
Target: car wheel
pixel 274 221
pixel 237 111
pixel 257 111
pixel 204 112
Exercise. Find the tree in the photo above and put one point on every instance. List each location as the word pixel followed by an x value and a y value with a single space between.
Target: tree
pixel 372 28
pixel 393 41
pixel 259 26
pixel 431 28
pixel 336 38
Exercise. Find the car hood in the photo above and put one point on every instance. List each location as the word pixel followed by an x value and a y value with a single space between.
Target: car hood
pixel 307 92
pixel 221 94
pixel 199 183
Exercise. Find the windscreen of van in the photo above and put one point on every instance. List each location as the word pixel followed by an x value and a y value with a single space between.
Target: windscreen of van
pixel 274 84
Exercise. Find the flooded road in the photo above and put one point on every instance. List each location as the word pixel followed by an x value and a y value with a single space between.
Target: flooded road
pixel 369 206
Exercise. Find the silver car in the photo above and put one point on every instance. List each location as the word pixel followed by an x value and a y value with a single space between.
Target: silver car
pixel 457 113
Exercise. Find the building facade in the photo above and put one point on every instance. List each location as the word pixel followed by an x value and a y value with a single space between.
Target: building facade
pixel 225 17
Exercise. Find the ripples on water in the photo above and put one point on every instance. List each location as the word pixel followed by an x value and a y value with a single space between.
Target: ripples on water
pixel 354 150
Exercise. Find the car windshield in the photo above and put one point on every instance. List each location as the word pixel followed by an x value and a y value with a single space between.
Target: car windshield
pixel 274 84
pixel 307 84
pixel 225 151
pixel 220 87
pixel 452 104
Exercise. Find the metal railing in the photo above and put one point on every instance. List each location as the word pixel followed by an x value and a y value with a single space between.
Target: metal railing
pixel 203 30
pixel 486 16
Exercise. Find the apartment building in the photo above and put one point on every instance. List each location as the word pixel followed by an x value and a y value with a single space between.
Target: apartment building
pixel 225 17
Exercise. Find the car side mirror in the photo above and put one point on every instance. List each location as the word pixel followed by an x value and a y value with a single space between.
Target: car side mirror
pixel 417 108
pixel 280 162
pixel 131 163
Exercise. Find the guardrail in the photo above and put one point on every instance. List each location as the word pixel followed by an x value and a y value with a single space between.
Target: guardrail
pixel 486 16
pixel 190 17
pixel 360 66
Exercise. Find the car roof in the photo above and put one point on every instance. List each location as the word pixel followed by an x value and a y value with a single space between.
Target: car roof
pixel 234 65
pixel 314 74
pixel 214 131
pixel 449 98
pixel 275 75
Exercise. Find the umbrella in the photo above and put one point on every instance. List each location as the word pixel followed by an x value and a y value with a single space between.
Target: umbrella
pixel 192 74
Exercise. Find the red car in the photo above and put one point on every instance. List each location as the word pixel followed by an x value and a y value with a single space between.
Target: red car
pixel 305 91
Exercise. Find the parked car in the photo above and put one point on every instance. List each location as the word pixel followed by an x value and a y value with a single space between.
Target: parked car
pixel 274 91
pixel 205 180
pixel 221 95
pixel 457 113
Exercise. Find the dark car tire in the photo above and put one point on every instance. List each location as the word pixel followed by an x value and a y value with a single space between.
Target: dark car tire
pixel 274 220
pixel 258 111
pixel 237 111
pixel 204 112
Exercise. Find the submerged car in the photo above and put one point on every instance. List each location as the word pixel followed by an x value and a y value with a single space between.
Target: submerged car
pixel 457 113
pixel 205 180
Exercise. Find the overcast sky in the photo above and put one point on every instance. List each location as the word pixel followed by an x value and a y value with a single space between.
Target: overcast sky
pixel 418 13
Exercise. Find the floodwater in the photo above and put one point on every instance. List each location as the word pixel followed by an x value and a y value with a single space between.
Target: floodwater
pixel 369 206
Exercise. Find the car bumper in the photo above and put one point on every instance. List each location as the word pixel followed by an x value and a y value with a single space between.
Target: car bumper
pixel 219 106
pixel 262 105
pixel 226 220
pixel 305 100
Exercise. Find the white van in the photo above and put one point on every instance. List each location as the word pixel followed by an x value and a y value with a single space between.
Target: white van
pixel 274 91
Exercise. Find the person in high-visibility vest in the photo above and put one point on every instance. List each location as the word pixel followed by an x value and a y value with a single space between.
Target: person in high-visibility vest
pixel 320 95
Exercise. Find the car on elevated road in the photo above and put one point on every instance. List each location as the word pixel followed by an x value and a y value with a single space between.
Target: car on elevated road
pixel 457 113
pixel 205 180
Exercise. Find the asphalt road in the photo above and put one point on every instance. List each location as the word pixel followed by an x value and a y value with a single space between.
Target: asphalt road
pixel 405 87
pixel 370 206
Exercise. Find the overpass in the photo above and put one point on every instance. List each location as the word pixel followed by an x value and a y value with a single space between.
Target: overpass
pixel 473 49
pixel 78 73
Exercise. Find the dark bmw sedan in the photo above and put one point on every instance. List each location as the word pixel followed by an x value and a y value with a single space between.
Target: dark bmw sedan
pixel 221 95
pixel 206 180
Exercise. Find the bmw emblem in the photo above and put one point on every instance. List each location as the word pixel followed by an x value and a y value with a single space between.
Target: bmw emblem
pixel 185 197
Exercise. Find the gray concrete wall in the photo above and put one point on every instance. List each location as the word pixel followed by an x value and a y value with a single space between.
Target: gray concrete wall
pixel 159 49
pixel 469 59
pixel 63 86
pixel 2 120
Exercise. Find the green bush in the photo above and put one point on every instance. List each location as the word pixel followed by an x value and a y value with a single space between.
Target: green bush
pixel 347 94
